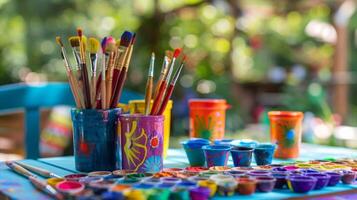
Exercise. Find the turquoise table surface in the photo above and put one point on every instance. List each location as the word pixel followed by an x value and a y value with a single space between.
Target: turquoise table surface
pixel 14 186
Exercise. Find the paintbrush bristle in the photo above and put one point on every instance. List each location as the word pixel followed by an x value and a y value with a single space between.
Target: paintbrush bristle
pixel 169 54
pixel 59 41
pixel 110 45
pixel 80 32
pixel 74 41
pixel 103 43
pixel 177 52
pixel 126 39
pixel 93 45
pixel 133 40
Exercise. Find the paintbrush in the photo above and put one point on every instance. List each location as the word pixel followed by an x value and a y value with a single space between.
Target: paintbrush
pixel 74 41
pixel 149 84
pixel 123 72
pixel 71 77
pixel 171 87
pixel 163 73
pixel 37 170
pixel 83 69
pixel 123 50
pixel 110 50
pixel 93 54
pixel 103 90
pixel 163 86
pixel 18 169
pixel 41 185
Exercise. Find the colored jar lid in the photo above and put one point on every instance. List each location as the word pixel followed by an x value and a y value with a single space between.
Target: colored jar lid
pixel 285 114
pixel 74 177
pixel 100 173
pixel 90 179
pixel 196 169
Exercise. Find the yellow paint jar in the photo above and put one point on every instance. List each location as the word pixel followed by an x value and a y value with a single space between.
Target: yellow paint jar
pixel 138 106
pixel 211 185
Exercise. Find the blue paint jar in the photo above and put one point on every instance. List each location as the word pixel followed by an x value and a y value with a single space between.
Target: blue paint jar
pixel 242 156
pixel 95 139
pixel 263 154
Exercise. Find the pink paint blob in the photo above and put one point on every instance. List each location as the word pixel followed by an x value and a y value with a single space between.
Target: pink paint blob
pixel 70 187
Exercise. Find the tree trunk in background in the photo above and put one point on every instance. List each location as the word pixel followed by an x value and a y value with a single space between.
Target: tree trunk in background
pixel 339 74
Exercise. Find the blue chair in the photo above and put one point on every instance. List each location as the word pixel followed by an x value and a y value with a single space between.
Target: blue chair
pixel 33 97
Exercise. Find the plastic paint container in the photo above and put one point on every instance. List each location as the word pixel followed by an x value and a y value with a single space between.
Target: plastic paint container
pixel 100 174
pixel 216 155
pixel 286 131
pixel 246 186
pixel 242 156
pixel 207 118
pixel 301 184
pixel 194 152
pixel 74 177
pixel 90 179
pixel 265 183
pixel 138 106
pixel 70 187
pixel 226 187
pixel 211 185
pixel 263 154
pixel 200 193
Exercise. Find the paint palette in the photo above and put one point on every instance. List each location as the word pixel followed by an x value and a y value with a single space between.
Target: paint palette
pixel 203 183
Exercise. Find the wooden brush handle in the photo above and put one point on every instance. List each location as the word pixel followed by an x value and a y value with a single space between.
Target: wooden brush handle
pixel 119 87
pixel 159 82
pixel 20 170
pixel 74 89
pixel 169 91
pixel 158 99
pixel 116 73
pixel 36 170
pixel 148 95
pixel 86 89
pixel 103 95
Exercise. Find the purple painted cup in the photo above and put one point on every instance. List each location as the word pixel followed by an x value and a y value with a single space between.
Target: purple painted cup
pixel 335 178
pixel 322 180
pixel 280 179
pixel 216 155
pixel 265 183
pixel 256 173
pixel 301 184
pixel 142 142
pixel 242 156
pixel 348 177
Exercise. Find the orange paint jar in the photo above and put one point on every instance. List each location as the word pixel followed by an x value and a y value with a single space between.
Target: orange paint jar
pixel 207 118
pixel 285 132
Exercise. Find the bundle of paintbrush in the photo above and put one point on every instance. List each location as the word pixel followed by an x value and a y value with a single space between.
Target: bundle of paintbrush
pixel 98 77
pixel 164 87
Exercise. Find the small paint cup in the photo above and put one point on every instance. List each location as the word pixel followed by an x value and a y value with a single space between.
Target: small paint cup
pixel 211 185
pixel 159 194
pixel 143 186
pixel 226 187
pixel 194 152
pixel 216 155
pixel 219 168
pixel 265 183
pixel 236 174
pixel 220 177
pixel 186 184
pixel 142 142
pixel 120 187
pixel 112 195
pixel 280 179
pixel 166 185
pixel 207 118
pixel 246 186
pixel 180 194
pixel 245 143
pixel 53 181
pixel 301 184
pixel 74 177
pixel 348 177
pixel 196 169
pixel 95 139
pixel 242 156
pixel 322 180
pixel 200 193
pixel 256 173
pixel 100 174
pixel 334 178
pixel 70 187
pixel 90 179
pixel 263 154
pixel 286 131
pixel 196 179
pixel 170 180
pixel 136 194
pixel 101 187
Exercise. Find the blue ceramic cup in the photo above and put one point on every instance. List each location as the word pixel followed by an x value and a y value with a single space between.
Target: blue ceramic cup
pixel 95 139
pixel 216 155
pixel 194 152
pixel 242 156
pixel 263 153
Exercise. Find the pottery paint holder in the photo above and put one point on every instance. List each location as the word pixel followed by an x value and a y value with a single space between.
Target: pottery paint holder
pixel 286 131
pixel 216 155
pixel 207 118
pixel 138 106
pixel 194 152
pixel 95 139
pixel 263 153
pixel 142 142
pixel 242 156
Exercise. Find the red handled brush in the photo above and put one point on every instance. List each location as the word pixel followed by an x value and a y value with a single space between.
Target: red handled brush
pixel 171 87
pixel 123 73
pixel 158 100
pixel 123 51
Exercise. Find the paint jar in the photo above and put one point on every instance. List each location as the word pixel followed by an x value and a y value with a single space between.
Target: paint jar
pixel 301 184
pixel 207 118
pixel 285 131
pixel 180 194
pixel 216 155
pixel 246 186
pixel 95 139
pixel 200 193
pixel 242 156
pixel 211 185
pixel 280 179
pixel 142 142
pixel 138 106
pixel 348 177
pixel 226 187
pixel 265 183
pixel 334 178
pixel 263 154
